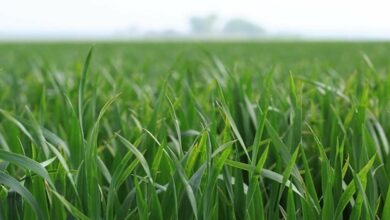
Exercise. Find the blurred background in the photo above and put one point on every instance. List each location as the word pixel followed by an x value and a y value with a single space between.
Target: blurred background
pixel 201 19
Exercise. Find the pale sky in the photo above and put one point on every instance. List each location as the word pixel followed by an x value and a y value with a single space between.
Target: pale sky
pixel 321 18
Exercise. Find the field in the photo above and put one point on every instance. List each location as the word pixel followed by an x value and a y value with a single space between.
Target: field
pixel 272 130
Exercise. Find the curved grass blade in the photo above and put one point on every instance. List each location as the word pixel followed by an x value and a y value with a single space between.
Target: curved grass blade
pixel 187 186
pixel 26 163
pixel 71 209
pixel 265 173
pixel 81 89
pixel 351 188
pixel 12 183
pixel 138 155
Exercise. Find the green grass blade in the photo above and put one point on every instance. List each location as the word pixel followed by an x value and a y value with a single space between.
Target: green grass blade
pixel 26 163
pixel 21 190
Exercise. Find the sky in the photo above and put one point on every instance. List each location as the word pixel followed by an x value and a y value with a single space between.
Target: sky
pixel 94 18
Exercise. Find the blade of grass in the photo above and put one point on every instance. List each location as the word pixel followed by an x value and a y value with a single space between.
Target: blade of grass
pixel 12 183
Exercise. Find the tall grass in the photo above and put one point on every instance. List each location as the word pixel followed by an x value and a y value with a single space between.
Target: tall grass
pixel 174 131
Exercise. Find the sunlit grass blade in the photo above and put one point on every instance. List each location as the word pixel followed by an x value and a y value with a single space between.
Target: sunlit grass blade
pixel 351 188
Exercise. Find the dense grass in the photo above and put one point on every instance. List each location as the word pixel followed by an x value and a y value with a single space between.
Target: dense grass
pixel 195 131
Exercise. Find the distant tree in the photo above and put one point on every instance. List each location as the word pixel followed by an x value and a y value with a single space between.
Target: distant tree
pixel 242 27
pixel 203 25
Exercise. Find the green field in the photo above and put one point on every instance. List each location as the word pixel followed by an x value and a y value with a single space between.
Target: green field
pixel 271 130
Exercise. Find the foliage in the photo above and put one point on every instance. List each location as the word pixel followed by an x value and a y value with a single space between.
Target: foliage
pixel 271 130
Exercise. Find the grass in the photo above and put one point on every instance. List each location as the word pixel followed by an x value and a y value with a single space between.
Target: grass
pixel 195 131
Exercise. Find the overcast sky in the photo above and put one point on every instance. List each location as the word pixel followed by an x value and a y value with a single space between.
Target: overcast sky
pixel 322 18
